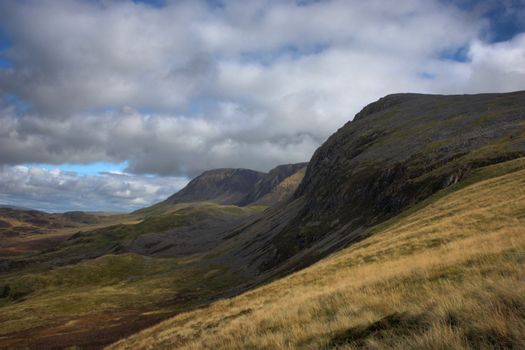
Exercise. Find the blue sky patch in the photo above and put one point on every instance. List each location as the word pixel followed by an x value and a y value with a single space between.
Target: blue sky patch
pixel 266 58
pixel 4 44
pixel 84 169
pixel 458 54
pixel 153 3
pixel 427 75
pixel 506 18
pixel 20 106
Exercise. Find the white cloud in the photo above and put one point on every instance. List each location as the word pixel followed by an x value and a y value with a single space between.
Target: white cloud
pixel 188 87
pixel 500 66
pixel 55 190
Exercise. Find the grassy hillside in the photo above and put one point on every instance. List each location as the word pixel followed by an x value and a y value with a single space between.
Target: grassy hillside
pixel 25 231
pixel 447 273
pixel 91 290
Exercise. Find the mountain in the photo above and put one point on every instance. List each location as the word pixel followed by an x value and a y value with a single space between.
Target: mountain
pixel 411 176
pixel 421 199
pixel 397 152
pixel 282 191
pixel 234 186
pixel 225 186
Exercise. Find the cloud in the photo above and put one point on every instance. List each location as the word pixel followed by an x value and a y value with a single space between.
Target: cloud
pixel 500 65
pixel 188 86
pixel 160 144
pixel 58 191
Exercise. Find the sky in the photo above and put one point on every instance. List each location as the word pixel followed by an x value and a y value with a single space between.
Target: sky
pixel 115 105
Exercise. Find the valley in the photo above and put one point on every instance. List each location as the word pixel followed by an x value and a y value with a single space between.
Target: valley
pixel 403 225
pixel 446 274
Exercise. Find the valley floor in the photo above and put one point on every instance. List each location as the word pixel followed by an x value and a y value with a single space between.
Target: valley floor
pixel 447 274
pixel 88 294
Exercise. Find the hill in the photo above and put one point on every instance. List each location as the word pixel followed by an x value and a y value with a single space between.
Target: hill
pixel 24 231
pixel 268 186
pixel 127 271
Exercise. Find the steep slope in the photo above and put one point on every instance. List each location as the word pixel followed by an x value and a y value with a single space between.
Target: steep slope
pixel 447 274
pixel 283 191
pixel 397 152
pixel 270 183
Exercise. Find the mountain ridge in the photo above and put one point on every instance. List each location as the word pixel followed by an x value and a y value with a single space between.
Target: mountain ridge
pixel 236 186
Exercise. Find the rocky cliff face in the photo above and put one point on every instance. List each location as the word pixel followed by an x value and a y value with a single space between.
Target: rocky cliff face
pixel 270 182
pixel 395 153
pixel 405 147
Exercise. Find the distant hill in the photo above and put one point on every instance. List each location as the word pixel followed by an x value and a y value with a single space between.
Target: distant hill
pixel 235 186
pixel 225 186
pixel 8 206
pixel 282 190
pixel 25 230
pixel 14 221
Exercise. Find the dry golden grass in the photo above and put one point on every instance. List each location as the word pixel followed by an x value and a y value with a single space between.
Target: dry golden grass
pixel 448 276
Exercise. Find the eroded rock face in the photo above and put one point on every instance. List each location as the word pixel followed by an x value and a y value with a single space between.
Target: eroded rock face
pixel 398 151
pixel 270 181
pixel 405 147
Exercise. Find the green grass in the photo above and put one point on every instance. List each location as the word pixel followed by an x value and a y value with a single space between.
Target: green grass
pixel 59 299
pixel 108 284
pixel 97 242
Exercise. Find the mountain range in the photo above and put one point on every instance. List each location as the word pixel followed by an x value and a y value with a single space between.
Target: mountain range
pixel 410 175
